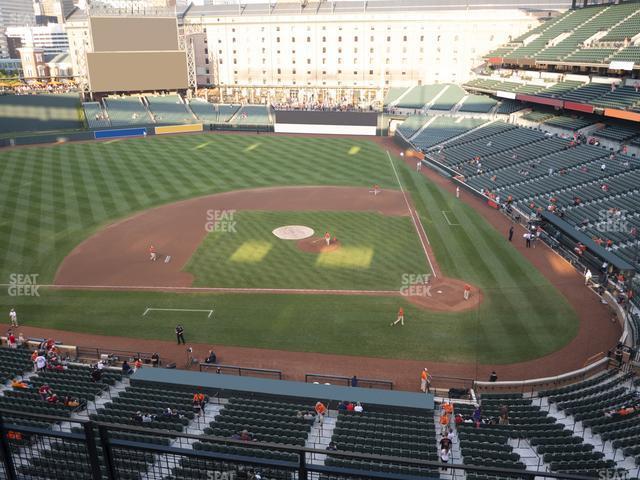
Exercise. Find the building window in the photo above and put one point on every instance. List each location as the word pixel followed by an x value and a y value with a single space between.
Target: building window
pixel 388 38
pixel 324 49
pixel 277 39
pixel 308 39
pixel 339 39
pixel 293 39
pixel 370 72
pixel 206 61
pixel 324 39
pixel 404 38
pixel 355 39
pixel 279 71
pixel 308 61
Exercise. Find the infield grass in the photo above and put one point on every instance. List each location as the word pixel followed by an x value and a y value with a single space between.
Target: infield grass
pixel 375 252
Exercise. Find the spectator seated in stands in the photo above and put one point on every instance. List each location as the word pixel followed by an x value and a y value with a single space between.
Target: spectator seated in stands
pixel 71 402
pixel 211 358
pixel 155 360
pixel 126 368
pixel 308 416
pixel 622 412
pixel 171 413
pixel 245 436
pixel 53 398
pixel 44 391
pixel 358 408
pixel 96 373
pixel 15 383
pixel 137 417
pixel 332 447
pixel 148 418
pixel 342 406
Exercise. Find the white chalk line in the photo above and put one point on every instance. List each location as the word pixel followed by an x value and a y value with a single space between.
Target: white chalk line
pixel 216 289
pixel 444 212
pixel 413 218
pixel 152 309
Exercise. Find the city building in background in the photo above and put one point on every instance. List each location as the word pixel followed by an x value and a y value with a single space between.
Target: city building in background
pixel 52 11
pixel 14 13
pixel 51 38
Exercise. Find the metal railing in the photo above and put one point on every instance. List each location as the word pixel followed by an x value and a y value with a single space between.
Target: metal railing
pixel 241 371
pixel 98 450
pixel 346 381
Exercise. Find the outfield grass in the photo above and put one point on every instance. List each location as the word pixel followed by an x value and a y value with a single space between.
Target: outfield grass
pixel 376 251
pixel 53 197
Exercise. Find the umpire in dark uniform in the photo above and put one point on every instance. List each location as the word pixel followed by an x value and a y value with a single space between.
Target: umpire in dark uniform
pixel 180 334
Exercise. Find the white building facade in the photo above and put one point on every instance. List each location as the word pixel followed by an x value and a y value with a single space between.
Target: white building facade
pixel 348 46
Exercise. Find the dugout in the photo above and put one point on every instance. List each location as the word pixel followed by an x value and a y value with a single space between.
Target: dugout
pixel 230 385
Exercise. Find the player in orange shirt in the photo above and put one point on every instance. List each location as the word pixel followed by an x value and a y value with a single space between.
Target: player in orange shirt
pixel 400 317
pixel 152 253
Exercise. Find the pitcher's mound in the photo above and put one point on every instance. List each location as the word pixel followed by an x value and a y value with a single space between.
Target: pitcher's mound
pixel 293 232
pixel 317 245
pixel 445 295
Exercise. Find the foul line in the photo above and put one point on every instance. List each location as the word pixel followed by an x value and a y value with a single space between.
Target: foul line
pixel 150 309
pixel 217 289
pixel 444 212
pixel 413 218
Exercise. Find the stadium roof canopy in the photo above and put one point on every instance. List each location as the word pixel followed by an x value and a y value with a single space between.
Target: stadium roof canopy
pixel 378 6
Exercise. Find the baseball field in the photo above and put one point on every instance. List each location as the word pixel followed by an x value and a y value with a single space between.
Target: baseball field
pixel 83 215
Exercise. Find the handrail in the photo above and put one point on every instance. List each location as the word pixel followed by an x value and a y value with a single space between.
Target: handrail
pixel 369 382
pixel 536 382
pixel 103 428
pixel 238 370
